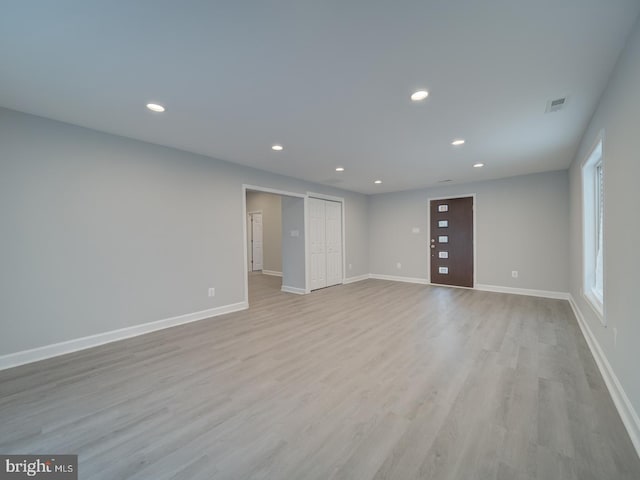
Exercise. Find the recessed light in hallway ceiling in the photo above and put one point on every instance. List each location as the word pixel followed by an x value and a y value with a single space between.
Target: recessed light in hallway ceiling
pixel 155 107
pixel 419 95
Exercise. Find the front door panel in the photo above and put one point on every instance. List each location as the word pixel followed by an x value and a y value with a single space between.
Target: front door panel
pixel 451 241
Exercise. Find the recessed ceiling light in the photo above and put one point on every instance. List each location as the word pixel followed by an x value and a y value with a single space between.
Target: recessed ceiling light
pixel 478 165
pixel 154 107
pixel 457 142
pixel 377 182
pixel 419 95
pixel 277 148
pixel 339 169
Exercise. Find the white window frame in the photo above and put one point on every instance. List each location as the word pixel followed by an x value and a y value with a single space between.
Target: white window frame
pixel 592 228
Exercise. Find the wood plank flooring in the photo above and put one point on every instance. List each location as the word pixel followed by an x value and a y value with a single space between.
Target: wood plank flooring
pixel 373 380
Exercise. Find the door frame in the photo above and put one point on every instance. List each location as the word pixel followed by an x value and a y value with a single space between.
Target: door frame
pixel 307 246
pixel 251 249
pixel 475 243
pixel 256 188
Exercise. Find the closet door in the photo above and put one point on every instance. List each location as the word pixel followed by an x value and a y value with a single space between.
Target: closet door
pixel 318 254
pixel 333 239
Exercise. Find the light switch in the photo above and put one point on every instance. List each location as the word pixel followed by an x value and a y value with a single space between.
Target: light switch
pixel 295 233
pixel 415 230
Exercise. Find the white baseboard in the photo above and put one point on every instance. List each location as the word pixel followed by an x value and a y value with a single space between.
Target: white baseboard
pixel 273 273
pixel 69 346
pixel 359 278
pixel 523 291
pixel 448 286
pixel 393 278
pixel 298 291
pixel 486 288
pixel 625 409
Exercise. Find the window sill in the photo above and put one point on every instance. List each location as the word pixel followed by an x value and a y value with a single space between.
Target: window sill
pixel 596 305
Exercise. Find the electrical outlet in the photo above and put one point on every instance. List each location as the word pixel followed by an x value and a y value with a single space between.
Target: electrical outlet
pixel 350 266
pixel 398 265
pixel 415 230
pixel 212 292
pixel 514 273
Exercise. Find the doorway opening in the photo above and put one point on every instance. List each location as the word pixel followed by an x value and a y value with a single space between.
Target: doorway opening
pixel 273 261
pixel 293 242
pixel 452 240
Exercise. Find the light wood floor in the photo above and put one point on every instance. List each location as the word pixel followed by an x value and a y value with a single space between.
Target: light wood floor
pixel 370 380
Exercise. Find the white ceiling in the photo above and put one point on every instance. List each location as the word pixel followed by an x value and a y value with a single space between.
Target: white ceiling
pixel 330 80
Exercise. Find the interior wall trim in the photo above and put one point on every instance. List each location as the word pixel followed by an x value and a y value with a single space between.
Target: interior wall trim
pixel 82 343
pixel 627 413
pixel 296 290
pixel 358 278
pixel 523 291
pixel 485 288
pixel 273 273
pixel 394 278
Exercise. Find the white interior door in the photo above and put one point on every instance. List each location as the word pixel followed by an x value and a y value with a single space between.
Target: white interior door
pixel 256 241
pixel 249 248
pixel 318 255
pixel 333 239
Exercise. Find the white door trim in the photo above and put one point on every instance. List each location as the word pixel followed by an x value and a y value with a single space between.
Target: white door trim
pixel 344 242
pixel 275 191
pixel 475 243
pixel 307 247
pixel 322 196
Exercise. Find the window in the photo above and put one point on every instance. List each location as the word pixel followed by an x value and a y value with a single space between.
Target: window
pixel 593 229
pixel 597 285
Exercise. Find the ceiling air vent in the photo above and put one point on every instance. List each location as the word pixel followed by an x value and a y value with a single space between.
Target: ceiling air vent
pixel 555 105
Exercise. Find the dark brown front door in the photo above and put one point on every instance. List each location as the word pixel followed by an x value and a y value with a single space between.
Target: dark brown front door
pixel 451 242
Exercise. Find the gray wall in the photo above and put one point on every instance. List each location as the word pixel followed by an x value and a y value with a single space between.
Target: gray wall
pixel 293 239
pixel 101 232
pixel 619 115
pixel 521 224
pixel 271 209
